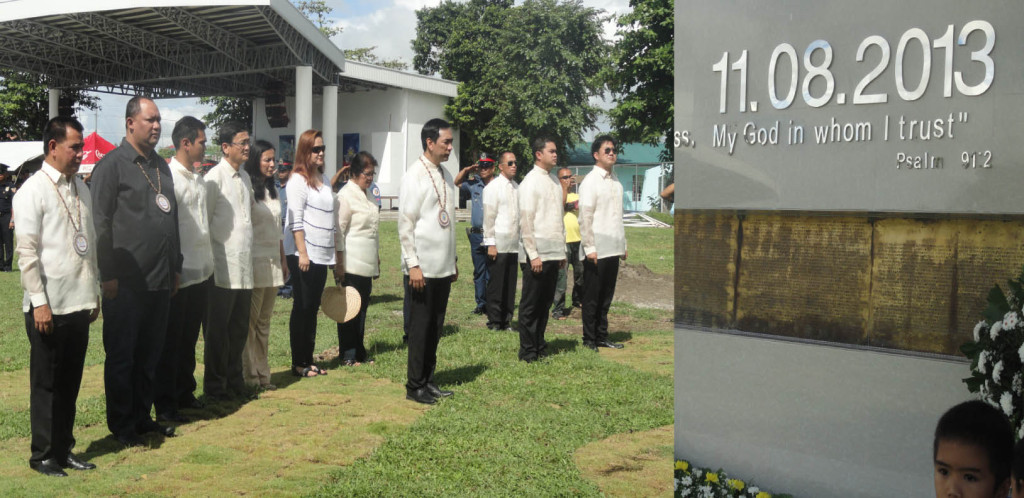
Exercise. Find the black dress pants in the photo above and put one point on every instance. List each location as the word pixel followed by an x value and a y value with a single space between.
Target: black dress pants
pixel 6 242
pixel 426 319
pixel 307 289
pixel 55 375
pixel 175 374
pixel 227 328
pixel 598 289
pixel 134 324
pixel 538 294
pixel 352 332
pixel 501 289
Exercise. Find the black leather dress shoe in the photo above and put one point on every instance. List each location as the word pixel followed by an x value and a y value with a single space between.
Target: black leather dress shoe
pixel 479 310
pixel 192 404
pixel 421 395
pixel 151 426
pixel 437 392
pixel 48 467
pixel 130 440
pixel 172 418
pixel 608 344
pixel 73 462
pixel 591 346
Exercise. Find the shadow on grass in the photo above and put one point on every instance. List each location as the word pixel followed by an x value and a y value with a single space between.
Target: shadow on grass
pixel 461 375
pixel 562 346
pixel 381 347
pixel 448 330
pixel 384 298
pixel 620 336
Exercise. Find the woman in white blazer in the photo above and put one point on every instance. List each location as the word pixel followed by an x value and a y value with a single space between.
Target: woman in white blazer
pixel 358 260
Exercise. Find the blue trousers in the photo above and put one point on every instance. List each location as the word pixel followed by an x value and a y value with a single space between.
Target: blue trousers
pixel 480 274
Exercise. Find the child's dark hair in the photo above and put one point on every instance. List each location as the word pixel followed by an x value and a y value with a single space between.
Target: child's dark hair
pixel 977 423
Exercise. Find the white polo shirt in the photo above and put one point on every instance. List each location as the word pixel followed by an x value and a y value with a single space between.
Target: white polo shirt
pixel 601 227
pixel 540 217
pixel 501 214
pixel 52 272
pixel 425 243
pixel 193 225
pixel 229 206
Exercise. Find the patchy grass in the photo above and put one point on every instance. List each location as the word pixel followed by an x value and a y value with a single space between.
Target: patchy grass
pixel 630 464
pixel 510 429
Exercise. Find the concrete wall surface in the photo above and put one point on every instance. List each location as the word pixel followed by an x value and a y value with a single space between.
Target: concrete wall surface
pixel 809 419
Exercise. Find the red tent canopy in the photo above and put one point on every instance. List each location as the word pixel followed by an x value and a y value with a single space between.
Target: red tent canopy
pixel 95 148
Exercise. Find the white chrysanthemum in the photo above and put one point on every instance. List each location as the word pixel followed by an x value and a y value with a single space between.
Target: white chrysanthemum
pixel 983 359
pixel 997 371
pixel 996 328
pixel 698 473
pixel 754 490
pixel 978 329
pixel 1006 402
pixel 686 480
pixel 1017 384
pixel 1010 320
pixel 1020 432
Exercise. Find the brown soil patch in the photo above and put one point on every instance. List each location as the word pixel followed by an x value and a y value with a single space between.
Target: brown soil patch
pixel 641 287
pixel 637 464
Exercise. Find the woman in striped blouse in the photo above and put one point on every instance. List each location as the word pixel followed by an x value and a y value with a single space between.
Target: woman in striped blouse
pixel 311 219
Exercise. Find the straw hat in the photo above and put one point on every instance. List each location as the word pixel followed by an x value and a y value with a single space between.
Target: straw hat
pixel 340 304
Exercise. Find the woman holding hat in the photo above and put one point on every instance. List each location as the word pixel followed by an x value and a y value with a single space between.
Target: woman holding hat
pixel 311 219
pixel 358 260
pixel 269 268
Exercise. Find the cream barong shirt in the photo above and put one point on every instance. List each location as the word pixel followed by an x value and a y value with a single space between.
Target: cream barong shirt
pixel 193 225
pixel 51 271
pixel 357 236
pixel 540 217
pixel 501 214
pixel 601 228
pixel 425 243
pixel 229 204
pixel 266 242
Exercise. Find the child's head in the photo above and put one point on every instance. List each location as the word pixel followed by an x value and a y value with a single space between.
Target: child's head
pixel 973 450
pixel 1017 472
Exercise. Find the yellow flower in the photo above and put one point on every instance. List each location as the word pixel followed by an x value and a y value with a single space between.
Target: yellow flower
pixel 682 465
pixel 711 477
pixel 736 484
pixel 764 495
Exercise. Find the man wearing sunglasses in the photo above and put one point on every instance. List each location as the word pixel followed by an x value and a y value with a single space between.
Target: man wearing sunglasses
pixel 603 242
pixel 501 239
pixel 474 188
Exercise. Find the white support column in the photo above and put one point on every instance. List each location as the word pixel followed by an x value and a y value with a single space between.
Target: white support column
pixel 303 100
pixel 330 124
pixel 54 102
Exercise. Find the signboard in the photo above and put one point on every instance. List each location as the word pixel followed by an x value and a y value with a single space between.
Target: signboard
pixel 850 106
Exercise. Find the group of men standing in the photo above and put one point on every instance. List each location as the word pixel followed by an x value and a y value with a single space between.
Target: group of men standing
pixel 142 230
pixel 527 224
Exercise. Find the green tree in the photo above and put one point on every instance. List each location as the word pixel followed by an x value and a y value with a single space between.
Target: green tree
pixel 226 109
pixel 24 103
pixel 525 71
pixel 366 55
pixel 317 11
pixel 642 77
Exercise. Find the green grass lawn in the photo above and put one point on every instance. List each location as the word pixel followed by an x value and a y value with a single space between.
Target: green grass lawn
pixel 511 428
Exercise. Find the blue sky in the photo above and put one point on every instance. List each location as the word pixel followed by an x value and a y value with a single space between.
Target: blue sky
pixel 389 25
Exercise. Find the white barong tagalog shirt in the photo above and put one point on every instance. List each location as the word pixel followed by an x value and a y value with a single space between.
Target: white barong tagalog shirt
pixel 229 205
pixel 601 227
pixel 424 242
pixel 501 214
pixel 540 217
pixel 52 272
pixel 193 225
